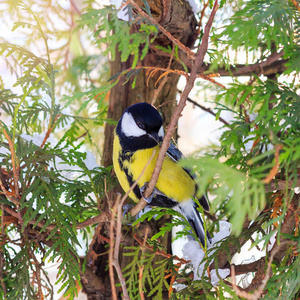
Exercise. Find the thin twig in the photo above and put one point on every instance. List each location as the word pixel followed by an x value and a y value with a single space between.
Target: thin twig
pixel 14 162
pixel 182 102
pixel 160 252
pixel 114 249
pixel 141 291
pixel 237 290
pixel 296 4
pixel 2 260
pixel 50 129
pixel 7 194
pixel 206 109
pixel 258 292
pixel 74 7
pixel 103 217
pixel 162 83
pixel 37 273
pixel 201 16
pixel 111 249
pixel 117 247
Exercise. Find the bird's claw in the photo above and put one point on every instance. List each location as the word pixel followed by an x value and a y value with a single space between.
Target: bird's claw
pixel 153 194
pixel 127 218
pixel 126 209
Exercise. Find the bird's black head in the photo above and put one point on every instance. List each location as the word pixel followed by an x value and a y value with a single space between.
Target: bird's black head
pixel 140 127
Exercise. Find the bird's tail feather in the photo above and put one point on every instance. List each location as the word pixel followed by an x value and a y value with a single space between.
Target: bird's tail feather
pixel 196 223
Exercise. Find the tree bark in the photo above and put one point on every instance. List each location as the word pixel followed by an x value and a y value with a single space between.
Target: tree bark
pixel 177 17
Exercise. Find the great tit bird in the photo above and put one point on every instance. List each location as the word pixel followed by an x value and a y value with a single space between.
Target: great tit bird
pixel 139 132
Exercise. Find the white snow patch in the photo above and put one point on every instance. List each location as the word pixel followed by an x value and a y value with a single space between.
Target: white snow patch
pixel 192 251
pixel 66 170
pixel 214 277
pixel 194 5
pixel 37 138
pixel 122 14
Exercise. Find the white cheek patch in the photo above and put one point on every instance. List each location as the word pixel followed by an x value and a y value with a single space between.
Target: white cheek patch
pixel 129 126
pixel 161 133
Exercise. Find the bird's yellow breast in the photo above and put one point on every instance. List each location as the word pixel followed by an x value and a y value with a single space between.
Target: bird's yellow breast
pixel 173 180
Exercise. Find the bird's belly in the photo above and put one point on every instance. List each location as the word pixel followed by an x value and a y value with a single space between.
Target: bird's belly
pixel 173 180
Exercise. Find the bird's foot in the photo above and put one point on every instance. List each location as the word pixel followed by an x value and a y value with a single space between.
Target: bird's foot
pixel 127 218
pixel 126 209
pixel 153 194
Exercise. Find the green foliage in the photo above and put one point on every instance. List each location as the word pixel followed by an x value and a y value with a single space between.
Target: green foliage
pixel 260 24
pixel 57 187
pixel 285 282
pixel 254 31
pixel 153 279
pixel 158 212
pixel 244 195
pixel 54 112
pixel 117 33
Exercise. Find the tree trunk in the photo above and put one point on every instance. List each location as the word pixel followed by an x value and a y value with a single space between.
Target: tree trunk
pixel 178 18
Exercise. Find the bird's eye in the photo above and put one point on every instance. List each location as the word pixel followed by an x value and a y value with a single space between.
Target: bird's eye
pixel 140 125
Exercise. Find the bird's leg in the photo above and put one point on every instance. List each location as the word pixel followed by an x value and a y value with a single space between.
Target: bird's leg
pixel 153 194
pixel 126 209
pixel 128 219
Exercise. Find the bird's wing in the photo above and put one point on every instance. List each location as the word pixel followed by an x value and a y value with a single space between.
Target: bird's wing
pixel 174 153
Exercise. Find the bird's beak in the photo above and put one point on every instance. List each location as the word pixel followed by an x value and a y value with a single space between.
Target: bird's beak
pixel 154 136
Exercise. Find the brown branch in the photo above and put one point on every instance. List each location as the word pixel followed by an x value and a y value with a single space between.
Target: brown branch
pixel 296 4
pixel 36 273
pixel 119 204
pixel 2 259
pixel 103 217
pixel 271 65
pixel 278 185
pixel 74 7
pixel 114 250
pixel 257 293
pixel 206 109
pixel 111 249
pixel 205 5
pixel 288 225
pixel 274 64
pixel 50 129
pixel 7 194
pixel 14 162
pixel 237 290
pixel 113 256
pixel 247 268
pixel 161 85
pixel 182 102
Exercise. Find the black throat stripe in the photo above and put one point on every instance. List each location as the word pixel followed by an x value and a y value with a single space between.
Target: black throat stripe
pixel 127 156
